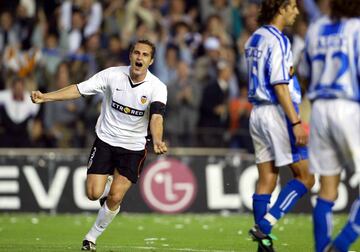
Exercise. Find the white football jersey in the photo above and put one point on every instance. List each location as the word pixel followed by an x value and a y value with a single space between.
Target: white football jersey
pixel 270 62
pixel 124 117
pixel 332 59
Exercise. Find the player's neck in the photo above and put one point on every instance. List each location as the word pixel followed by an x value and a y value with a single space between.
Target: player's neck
pixel 278 22
pixel 136 78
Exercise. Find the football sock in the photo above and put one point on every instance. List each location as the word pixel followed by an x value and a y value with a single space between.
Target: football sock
pixel 287 198
pixel 351 231
pixel 260 205
pixel 104 218
pixel 107 187
pixel 322 221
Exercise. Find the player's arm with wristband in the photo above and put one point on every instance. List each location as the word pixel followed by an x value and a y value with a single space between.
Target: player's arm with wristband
pixel 66 93
pixel 284 98
pixel 157 110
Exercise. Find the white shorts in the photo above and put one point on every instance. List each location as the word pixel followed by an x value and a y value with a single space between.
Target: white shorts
pixel 273 136
pixel 334 136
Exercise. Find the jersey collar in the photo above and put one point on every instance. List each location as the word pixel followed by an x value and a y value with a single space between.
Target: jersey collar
pixel 133 84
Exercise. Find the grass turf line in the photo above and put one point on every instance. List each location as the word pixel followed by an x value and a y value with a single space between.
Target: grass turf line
pixel 153 232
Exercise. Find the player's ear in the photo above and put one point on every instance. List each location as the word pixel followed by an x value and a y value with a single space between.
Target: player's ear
pixel 282 10
pixel 152 61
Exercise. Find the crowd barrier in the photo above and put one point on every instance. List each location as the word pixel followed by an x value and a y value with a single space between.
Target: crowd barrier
pixel 185 180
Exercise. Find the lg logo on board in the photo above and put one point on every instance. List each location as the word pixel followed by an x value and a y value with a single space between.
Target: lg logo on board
pixel 168 186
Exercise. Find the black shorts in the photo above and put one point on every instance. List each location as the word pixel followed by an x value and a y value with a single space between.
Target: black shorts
pixel 104 158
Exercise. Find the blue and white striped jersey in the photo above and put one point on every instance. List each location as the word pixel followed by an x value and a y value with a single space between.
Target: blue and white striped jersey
pixel 332 59
pixel 269 62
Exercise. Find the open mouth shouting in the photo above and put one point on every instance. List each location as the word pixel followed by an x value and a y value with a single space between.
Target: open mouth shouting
pixel 138 65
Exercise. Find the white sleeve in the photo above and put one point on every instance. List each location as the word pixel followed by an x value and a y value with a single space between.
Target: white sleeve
pixel 94 85
pixel 160 93
pixel 279 71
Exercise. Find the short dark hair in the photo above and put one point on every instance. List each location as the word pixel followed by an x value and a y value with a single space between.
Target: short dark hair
pixel 146 42
pixel 269 9
pixel 344 8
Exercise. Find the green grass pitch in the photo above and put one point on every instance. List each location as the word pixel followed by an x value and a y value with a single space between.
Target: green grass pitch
pixel 153 232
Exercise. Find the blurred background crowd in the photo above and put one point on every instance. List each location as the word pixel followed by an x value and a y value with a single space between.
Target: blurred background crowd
pixel 50 44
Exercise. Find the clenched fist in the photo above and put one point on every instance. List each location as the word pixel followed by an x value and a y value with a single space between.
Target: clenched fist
pixel 160 147
pixel 37 97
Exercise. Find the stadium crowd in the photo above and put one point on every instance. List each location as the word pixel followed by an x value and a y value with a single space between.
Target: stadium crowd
pixel 47 45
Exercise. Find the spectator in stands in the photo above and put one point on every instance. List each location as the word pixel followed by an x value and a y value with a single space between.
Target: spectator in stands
pixel 51 57
pixel 114 16
pixel 90 13
pixel 215 27
pixel 167 57
pixel 217 7
pixel 76 36
pixel 251 11
pixel 79 65
pixel 8 32
pixel 115 54
pixel 25 22
pixel 185 40
pixel 16 114
pixel 184 96
pixel 214 112
pixel 201 36
pixel 239 112
pixel 62 119
pixel 95 53
pixel 205 66
pixel 138 12
pixel 177 13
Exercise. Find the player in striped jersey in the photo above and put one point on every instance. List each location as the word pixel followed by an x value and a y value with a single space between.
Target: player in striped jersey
pixel 133 98
pixel 332 65
pixel 275 126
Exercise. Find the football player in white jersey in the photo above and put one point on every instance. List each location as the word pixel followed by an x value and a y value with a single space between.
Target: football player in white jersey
pixel 332 65
pixel 275 126
pixel 132 97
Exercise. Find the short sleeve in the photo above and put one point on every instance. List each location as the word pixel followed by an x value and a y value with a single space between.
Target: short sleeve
pixel 160 93
pixel 96 84
pixel 279 69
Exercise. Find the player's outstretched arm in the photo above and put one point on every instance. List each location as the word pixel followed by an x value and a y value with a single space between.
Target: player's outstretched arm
pixel 156 128
pixel 66 93
pixel 283 95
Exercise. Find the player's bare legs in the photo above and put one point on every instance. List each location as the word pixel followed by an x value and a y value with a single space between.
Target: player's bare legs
pixel 328 187
pixel 268 175
pixel 287 198
pixel 120 185
pixel 95 185
pixel 301 172
pixel 118 189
